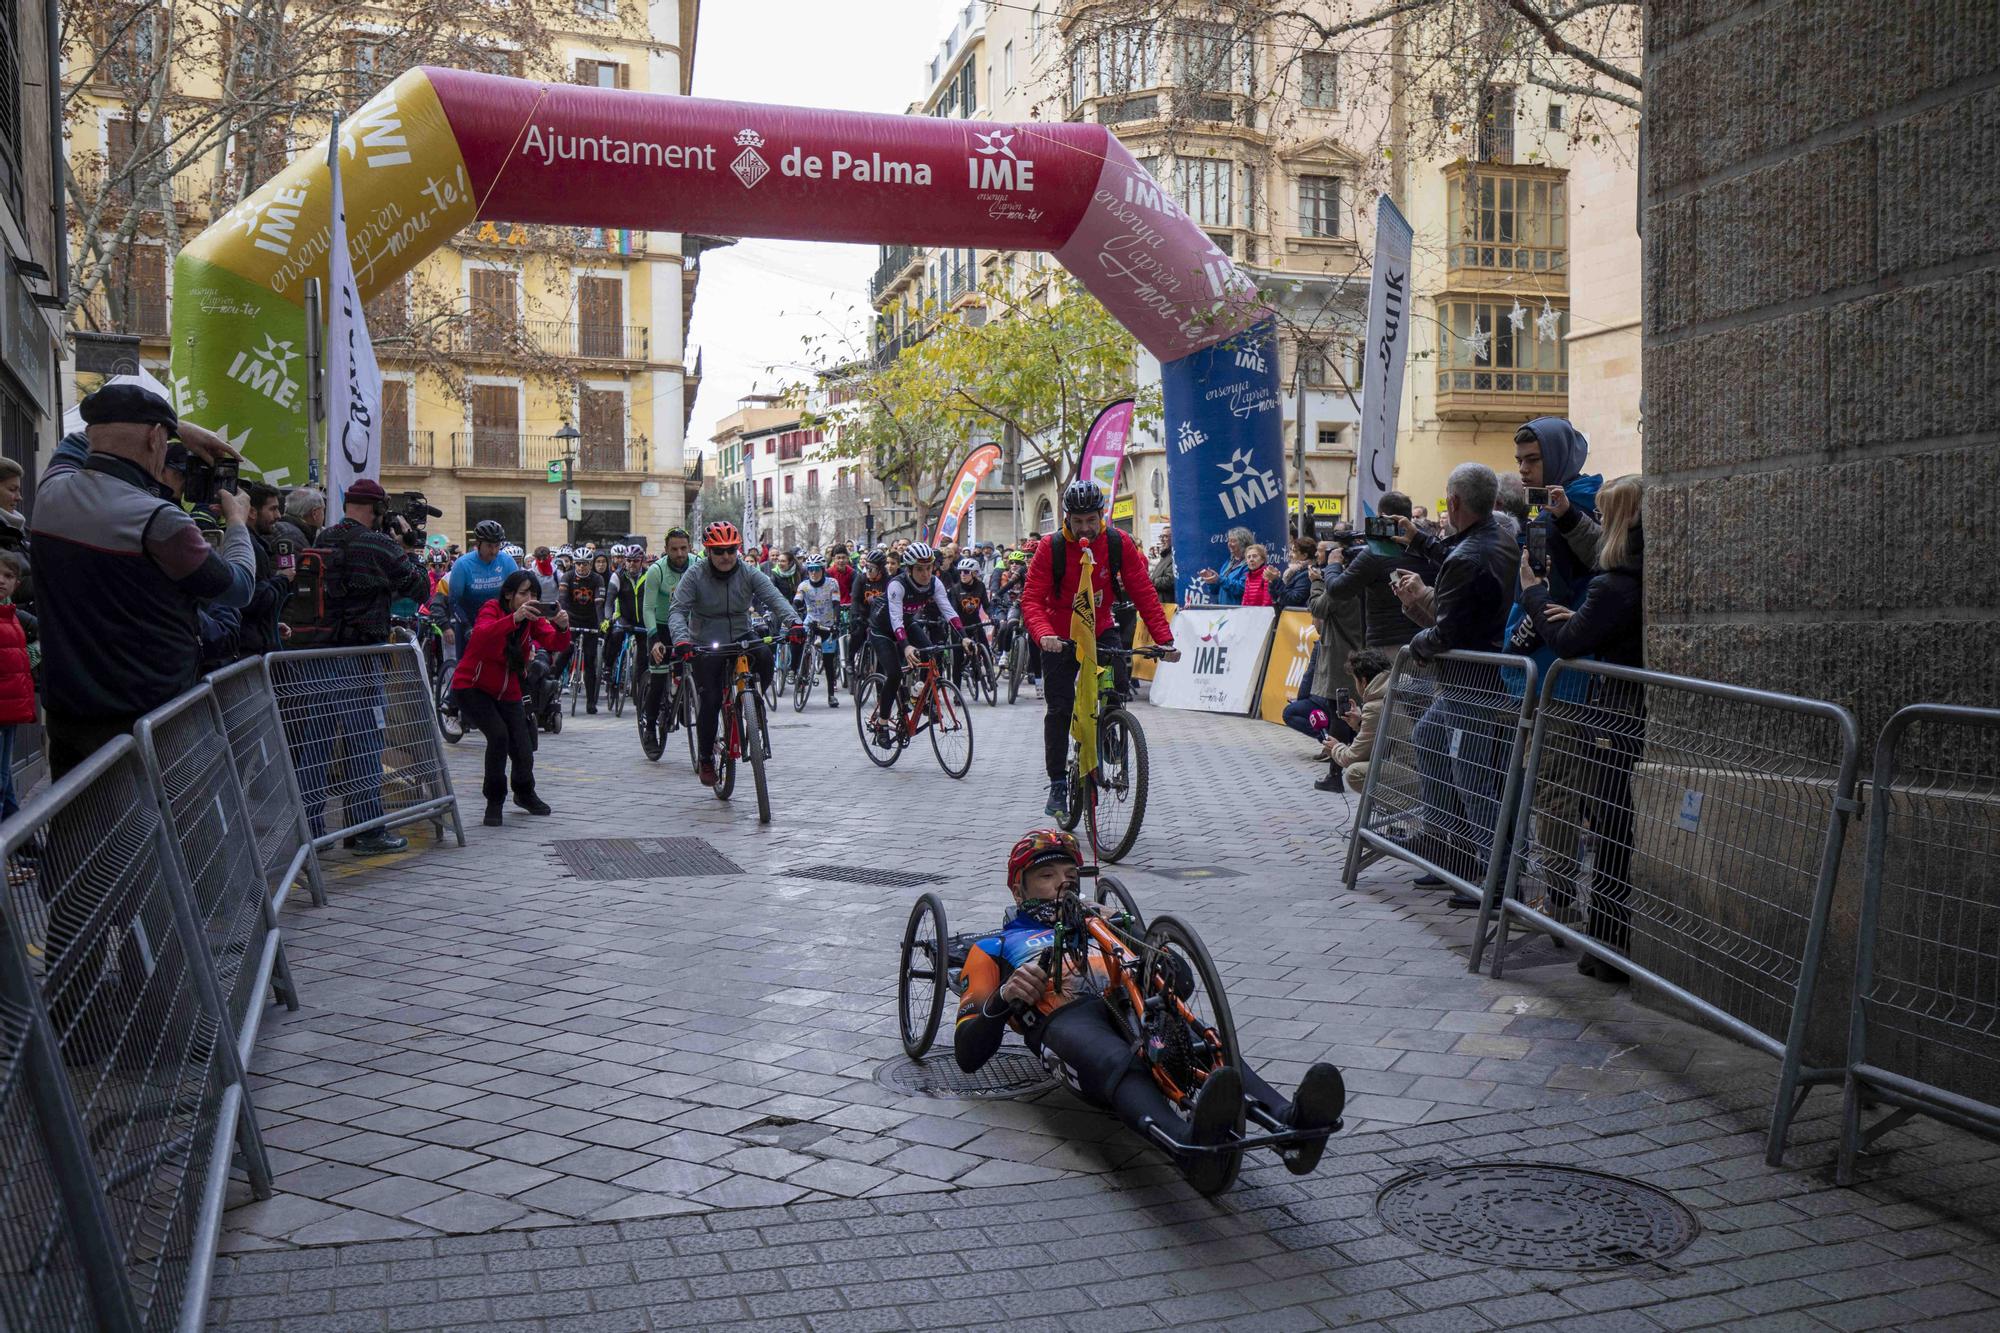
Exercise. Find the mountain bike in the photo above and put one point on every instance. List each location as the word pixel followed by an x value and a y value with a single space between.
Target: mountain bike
pixel 821 656
pixel 742 731
pixel 983 670
pixel 1112 804
pixel 927 702
pixel 623 670
pixel 667 675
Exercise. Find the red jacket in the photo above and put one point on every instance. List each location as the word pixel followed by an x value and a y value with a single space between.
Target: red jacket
pixel 844 577
pixel 17 679
pixel 482 665
pixel 1046 608
pixel 1257 587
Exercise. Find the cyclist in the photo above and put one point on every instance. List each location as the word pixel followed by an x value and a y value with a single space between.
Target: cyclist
pixel 1119 567
pixel 968 594
pixel 1008 578
pixel 1006 985
pixel 898 627
pixel 712 604
pixel 583 597
pixel 476 577
pixel 656 607
pixel 819 597
pixel 871 584
pixel 621 607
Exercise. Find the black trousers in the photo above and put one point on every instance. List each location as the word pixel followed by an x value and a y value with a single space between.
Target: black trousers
pixel 659 685
pixel 509 735
pixel 711 684
pixel 587 643
pixel 1059 688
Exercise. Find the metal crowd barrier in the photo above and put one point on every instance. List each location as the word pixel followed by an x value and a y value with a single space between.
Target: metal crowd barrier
pixel 1444 771
pixel 1688 833
pixel 1924 1031
pixel 264 771
pixel 363 732
pixel 122 1092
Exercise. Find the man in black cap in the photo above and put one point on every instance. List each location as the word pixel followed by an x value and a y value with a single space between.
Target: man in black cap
pixel 367 568
pixel 121 572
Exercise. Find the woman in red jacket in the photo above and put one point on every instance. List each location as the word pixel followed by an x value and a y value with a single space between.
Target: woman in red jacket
pixel 17 677
pixel 487 686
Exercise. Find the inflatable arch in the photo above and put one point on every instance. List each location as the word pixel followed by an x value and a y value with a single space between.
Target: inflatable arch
pixel 439 149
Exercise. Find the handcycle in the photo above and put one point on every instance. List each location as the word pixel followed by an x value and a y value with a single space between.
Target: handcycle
pixel 1112 804
pixel 742 731
pixel 819 655
pixel 1158 980
pixel 931 704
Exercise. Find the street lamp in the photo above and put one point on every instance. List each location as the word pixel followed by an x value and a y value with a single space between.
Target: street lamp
pixel 569 435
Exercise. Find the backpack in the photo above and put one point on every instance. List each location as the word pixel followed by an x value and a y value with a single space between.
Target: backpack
pixel 333 595
pixel 1114 557
pixel 306 611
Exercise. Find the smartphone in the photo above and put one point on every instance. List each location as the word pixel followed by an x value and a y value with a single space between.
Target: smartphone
pixel 547 608
pixel 1538 549
pixel 1538 496
pixel 1342 701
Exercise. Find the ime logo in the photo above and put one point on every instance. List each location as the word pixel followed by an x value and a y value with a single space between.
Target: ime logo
pixel 996 167
pixel 1250 358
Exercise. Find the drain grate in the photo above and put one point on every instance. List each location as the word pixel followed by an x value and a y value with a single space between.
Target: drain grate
pixel 642 858
pixel 892 879
pixel 1535 1215
pixel 1007 1074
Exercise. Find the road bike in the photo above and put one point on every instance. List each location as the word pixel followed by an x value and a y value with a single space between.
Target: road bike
pixel 742 731
pixel 622 670
pixel 983 670
pixel 819 657
pixel 1112 804
pixel 927 702
pixel 576 680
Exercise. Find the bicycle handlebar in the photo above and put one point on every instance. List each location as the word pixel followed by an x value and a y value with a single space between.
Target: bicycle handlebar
pixel 1105 650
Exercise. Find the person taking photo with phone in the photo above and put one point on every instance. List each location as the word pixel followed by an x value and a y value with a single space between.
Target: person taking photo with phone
pixel 487 686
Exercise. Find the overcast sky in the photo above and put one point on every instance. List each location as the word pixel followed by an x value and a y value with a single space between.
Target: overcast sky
pixel 758 298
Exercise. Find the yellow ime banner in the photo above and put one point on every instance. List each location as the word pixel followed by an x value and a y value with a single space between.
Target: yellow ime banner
pixel 1291 650
pixel 1143 667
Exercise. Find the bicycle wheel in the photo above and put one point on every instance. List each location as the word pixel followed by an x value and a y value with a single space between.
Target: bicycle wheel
pixel 802 687
pixel 885 746
pixel 1017 657
pixel 921 980
pixel 573 682
pixel 687 702
pixel 619 675
pixel 726 752
pixel 1111 892
pixel 753 750
pixel 1074 814
pixel 652 742
pixel 450 721
pixel 1192 977
pixel 1118 803
pixel 951 730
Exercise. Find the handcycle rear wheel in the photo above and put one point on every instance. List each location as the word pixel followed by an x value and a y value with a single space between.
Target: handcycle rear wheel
pixel 921 980
pixel 951 731
pixel 1206 1008
pixel 753 749
pixel 882 756
pixel 1116 803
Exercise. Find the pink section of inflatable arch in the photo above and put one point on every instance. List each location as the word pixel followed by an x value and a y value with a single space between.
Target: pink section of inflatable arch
pixel 578 156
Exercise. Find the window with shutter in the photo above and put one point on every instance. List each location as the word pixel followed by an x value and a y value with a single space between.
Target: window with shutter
pixel 388 312
pixel 496 425
pixel 137 286
pixel 601 421
pixel 396 423
pixel 495 312
pixel 600 306
pixel 603 74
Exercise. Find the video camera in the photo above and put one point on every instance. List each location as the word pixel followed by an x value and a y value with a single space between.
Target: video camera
pixel 416 512
pixel 204 480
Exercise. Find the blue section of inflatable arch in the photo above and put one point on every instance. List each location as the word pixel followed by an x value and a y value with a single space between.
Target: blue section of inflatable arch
pixel 1225 441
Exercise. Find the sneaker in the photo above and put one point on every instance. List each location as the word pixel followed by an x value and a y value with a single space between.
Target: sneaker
pixel 590 709
pixel 379 843
pixel 534 805
pixel 1333 781
pixel 1058 806
pixel 493 819
pixel 707 774
pixel 1317 1104
pixel 1217 1118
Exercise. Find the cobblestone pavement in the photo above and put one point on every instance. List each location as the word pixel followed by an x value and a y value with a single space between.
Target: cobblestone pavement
pixel 516 1099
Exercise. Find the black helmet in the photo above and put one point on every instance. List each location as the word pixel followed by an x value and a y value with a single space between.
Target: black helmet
pixel 1083 497
pixel 489 530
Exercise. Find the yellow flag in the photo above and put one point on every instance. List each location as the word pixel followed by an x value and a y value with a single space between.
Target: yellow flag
pixel 1083 632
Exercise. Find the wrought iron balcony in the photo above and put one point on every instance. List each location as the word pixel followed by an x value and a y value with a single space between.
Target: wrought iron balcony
pixel 413 449
pixel 895 259
pixel 478 335
pixel 510 451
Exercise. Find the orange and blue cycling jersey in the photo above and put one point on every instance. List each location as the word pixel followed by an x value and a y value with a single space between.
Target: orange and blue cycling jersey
pixel 1020 940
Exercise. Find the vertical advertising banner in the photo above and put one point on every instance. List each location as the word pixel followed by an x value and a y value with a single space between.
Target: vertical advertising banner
pixel 353 379
pixel 1291 651
pixel 1104 447
pixel 1383 356
pixel 971 474
pixel 748 526
pixel 1225 448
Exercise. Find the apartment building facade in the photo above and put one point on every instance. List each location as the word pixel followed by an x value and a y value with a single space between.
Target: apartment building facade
pixel 35 274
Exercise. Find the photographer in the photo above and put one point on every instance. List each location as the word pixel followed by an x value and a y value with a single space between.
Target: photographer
pixel 1369 669
pixel 1367 580
pixel 368 567
pixel 487 685
pixel 123 572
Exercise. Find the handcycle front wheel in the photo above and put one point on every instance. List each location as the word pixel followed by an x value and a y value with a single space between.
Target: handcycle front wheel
pixel 883 747
pixel 1115 803
pixel 1111 892
pixel 1178 964
pixel 922 979
pixel 951 730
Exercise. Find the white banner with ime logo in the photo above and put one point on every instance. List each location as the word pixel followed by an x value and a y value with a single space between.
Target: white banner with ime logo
pixel 1222 659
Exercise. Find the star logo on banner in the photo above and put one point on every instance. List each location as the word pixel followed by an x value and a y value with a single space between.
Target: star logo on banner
pixel 278 353
pixel 999 143
pixel 248 215
pixel 1237 467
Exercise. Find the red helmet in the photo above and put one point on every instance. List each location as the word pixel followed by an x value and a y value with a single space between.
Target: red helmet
pixel 1037 846
pixel 721 533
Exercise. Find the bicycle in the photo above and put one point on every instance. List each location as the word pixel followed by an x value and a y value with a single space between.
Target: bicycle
pixel 623 669
pixel 822 654
pixel 743 733
pixel 934 704
pixel 985 672
pixel 1112 805
pixel 428 635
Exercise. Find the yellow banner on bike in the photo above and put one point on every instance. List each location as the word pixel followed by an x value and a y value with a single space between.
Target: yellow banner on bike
pixel 1083 632
pixel 1291 652
pixel 1144 667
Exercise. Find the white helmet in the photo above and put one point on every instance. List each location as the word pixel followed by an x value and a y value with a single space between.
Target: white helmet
pixel 918 551
pixel 967 565
pixel 620 550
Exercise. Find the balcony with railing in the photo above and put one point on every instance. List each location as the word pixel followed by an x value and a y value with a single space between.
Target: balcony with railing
pixel 1508 228
pixel 141 309
pixel 187 195
pixel 409 450
pixel 495 450
pixel 481 336
pixel 896 260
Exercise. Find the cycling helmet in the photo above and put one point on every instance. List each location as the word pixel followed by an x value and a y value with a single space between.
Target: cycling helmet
pixel 968 566
pixel 815 565
pixel 917 551
pixel 1037 846
pixel 489 530
pixel 721 534
pixel 878 556
pixel 1083 497
pixel 1017 557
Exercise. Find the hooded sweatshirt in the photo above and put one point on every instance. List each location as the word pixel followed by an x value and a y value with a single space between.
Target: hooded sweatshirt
pixel 1565 450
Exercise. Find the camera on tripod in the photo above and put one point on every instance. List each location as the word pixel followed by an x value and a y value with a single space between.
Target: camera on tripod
pixel 416 512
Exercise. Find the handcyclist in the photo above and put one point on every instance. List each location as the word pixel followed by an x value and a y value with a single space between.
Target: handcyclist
pixel 1119 567
pixel 583 596
pixel 712 604
pixel 897 626
pixel 621 606
pixel 1007 985
pixel 968 594
pixel 871 585
pixel 656 607
pixel 819 598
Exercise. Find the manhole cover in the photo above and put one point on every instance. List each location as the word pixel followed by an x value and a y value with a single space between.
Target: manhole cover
pixel 893 879
pixel 642 858
pixel 1533 1215
pixel 1007 1074
pixel 1196 872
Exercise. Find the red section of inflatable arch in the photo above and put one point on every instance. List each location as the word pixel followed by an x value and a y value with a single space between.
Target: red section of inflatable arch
pixel 572 155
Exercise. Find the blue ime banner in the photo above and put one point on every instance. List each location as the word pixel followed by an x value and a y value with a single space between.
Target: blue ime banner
pixel 1225 442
